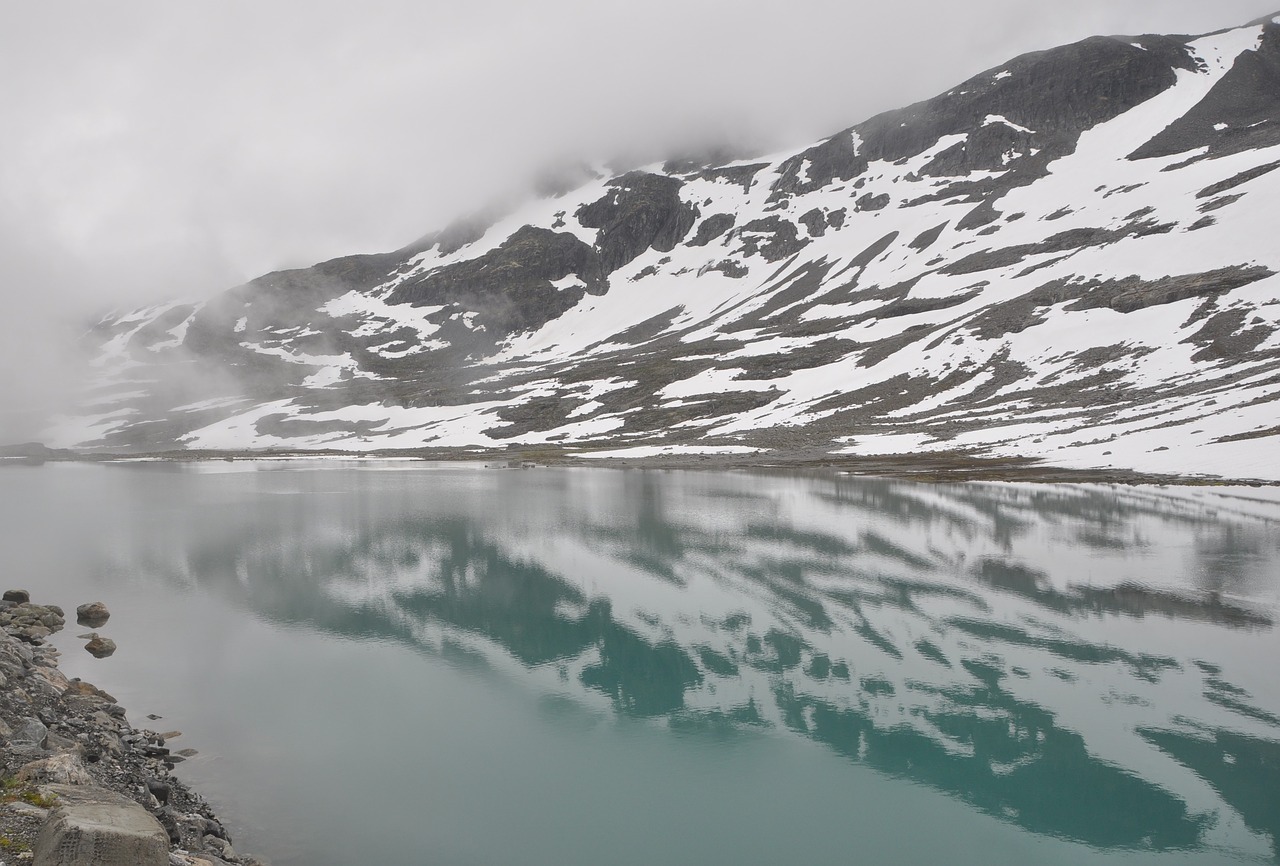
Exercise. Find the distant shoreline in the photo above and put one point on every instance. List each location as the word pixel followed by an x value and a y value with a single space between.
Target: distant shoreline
pixel 945 467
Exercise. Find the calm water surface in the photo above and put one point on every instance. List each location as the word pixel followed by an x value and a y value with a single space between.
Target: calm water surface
pixel 396 664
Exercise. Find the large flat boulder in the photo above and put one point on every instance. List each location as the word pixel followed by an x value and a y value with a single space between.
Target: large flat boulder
pixel 96 827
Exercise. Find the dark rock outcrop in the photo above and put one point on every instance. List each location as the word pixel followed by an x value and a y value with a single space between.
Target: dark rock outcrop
pixel 642 211
pixel 1056 93
pixel 510 288
pixel 1240 112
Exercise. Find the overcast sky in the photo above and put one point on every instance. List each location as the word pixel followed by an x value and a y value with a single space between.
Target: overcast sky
pixel 152 150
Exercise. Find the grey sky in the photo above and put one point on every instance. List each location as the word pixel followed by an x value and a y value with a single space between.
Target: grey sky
pixel 152 150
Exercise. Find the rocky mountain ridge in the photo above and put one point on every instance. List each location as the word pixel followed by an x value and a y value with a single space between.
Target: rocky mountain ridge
pixel 1070 256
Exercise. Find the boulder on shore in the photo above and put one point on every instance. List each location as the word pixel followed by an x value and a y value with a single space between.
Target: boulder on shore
pixel 17 596
pixel 95 827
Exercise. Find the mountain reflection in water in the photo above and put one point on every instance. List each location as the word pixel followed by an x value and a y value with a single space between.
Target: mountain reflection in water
pixel 1075 660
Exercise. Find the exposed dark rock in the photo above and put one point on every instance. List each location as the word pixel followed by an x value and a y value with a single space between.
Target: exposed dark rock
pixel 509 288
pixel 926 238
pixel 17 596
pixel 1223 336
pixel 1130 294
pixel 648 329
pixel 773 238
pixel 815 221
pixel 742 175
pixel 1240 112
pixel 641 211
pixel 1056 93
pixel 982 215
pixel 1072 239
pixel 1124 295
pixel 730 268
pixel 990 147
pixel 711 228
pixel 1238 179
pixel 871 202
pixel 913 306
pixel 837 158
pixel 1219 202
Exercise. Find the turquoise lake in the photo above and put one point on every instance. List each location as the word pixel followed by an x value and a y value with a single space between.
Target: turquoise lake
pixel 403 663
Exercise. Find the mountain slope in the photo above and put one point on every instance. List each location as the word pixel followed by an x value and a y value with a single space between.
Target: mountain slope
pixel 1070 256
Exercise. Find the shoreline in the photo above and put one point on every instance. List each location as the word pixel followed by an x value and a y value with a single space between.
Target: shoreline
pixel 70 756
pixel 934 468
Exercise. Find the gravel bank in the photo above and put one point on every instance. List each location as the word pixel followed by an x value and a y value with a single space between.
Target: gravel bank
pixel 65 743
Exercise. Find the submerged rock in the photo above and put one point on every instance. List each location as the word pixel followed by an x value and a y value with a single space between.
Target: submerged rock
pixel 100 647
pixel 93 614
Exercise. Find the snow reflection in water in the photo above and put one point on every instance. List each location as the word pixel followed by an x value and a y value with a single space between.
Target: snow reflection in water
pixel 1087 663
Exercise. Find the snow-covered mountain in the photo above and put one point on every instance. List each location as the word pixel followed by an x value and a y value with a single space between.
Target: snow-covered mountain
pixel 1073 255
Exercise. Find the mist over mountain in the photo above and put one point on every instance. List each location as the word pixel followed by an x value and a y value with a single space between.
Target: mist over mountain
pixel 1068 255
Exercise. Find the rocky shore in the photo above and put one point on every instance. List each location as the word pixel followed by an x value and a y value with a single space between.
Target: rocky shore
pixel 81 785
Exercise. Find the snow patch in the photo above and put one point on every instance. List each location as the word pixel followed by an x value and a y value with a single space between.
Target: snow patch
pixel 992 119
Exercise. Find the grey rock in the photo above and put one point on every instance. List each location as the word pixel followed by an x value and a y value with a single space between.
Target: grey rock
pixel 17 596
pixel 510 287
pixel 94 614
pixel 711 228
pixel 100 647
pixel 25 616
pixel 24 652
pixel 88 690
pixel 222 847
pixel 95 827
pixel 158 789
pixel 56 742
pixel 30 737
pixel 641 211
pixel 64 768
pixel 772 237
pixel 871 202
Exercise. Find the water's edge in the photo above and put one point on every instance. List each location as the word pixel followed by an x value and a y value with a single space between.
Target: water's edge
pixel 64 742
